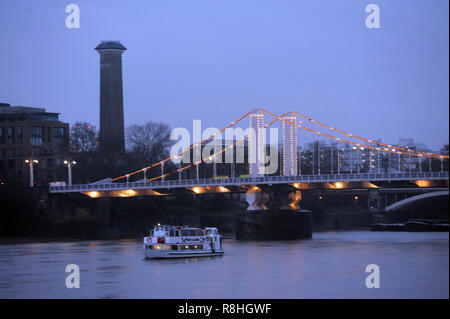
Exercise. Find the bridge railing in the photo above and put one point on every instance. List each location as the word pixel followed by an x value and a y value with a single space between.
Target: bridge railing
pixel 238 181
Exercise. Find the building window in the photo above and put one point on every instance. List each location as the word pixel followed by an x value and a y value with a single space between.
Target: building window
pixel 35 151
pixel 2 135
pixel 19 152
pixel 11 135
pixel 19 135
pixel 36 135
pixel 11 163
pixel 36 131
pixel 11 153
pixel 58 161
pixel 58 134
pixel 36 140
pixel 49 162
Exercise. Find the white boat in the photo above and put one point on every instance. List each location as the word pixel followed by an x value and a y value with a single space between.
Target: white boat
pixel 166 241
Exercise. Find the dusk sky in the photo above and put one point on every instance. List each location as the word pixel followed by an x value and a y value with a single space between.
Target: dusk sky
pixel 215 60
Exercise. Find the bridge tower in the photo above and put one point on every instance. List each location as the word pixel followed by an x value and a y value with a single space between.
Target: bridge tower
pixel 257 143
pixel 290 142
pixel 112 138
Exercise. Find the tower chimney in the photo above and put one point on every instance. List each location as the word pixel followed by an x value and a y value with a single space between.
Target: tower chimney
pixel 112 138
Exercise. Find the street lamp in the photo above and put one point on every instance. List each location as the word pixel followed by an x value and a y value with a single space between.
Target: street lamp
pixel 69 169
pixel 30 163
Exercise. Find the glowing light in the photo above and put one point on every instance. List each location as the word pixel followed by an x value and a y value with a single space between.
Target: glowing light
pixel 93 194
pixel 130 192
pixel 423 183
pixel 356 197
pixel 223 189
pixel 339 185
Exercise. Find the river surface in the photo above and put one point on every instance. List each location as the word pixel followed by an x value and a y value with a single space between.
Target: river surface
pixel 331 265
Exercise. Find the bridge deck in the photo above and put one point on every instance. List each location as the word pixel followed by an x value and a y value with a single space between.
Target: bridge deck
pixel 267 180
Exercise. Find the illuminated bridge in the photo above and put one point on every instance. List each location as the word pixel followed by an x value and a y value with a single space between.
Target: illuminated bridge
pixel 351 162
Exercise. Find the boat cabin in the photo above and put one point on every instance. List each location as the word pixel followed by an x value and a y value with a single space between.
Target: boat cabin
pixel 181 238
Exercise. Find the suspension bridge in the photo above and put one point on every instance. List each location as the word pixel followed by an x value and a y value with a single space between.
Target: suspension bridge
pixel 356 162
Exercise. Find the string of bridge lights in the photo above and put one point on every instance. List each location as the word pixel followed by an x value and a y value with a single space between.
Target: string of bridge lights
pixel 182 152
pixel 211 156
pixel 361 138
pixel 362 146
pixel 385 148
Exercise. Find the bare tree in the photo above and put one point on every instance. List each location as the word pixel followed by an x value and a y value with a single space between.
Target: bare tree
pixel 83 138
pixel 149 142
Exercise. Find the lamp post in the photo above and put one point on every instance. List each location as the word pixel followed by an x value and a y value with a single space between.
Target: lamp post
pixel 318 160
pixel 30 162
pixel 69 169
pixel 299 161
pixel 332 168
pixel 338 162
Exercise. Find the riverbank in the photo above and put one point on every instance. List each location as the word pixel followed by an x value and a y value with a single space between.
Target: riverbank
pixel 418 225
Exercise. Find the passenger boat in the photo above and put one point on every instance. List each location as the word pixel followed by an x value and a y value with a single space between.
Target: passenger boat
pixel 166 241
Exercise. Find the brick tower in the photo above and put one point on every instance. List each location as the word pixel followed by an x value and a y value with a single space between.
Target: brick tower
pixel 112 138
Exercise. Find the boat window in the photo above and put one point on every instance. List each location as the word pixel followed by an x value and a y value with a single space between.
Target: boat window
pixel 192 232
pixel 187 232
pixel 171 247
pixel 191 247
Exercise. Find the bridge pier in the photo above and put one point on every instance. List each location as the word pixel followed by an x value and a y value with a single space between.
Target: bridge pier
pixel 256 198
pixel 283 220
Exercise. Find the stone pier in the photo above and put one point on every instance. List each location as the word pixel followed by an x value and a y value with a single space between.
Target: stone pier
pixel 281 219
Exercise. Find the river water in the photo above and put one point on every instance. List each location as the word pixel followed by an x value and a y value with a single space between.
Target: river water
pixel 331 265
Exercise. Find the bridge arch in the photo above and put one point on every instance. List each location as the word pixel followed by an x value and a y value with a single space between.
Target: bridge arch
pixel 412 199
